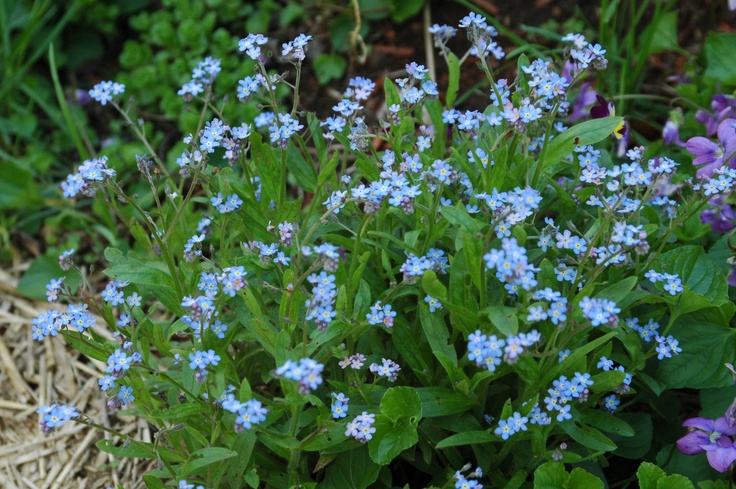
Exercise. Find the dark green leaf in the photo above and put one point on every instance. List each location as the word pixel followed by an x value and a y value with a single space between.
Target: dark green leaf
pixel 637 446
pixel 180 411
pixel 580 479
pixel 439 401
pixel 453 67
pixel 209 456
pixel 504 319
pixel 353 469
pixel 617 291
pixel 588 132
pixel 401 403
pixel 390 439
pixel 468 438
pixel 329 67
pixel 719 49
pixel 550 475
pixel 588 437
pixel 85 345
pixel 133 450
pixel 698 274
pixel 706 347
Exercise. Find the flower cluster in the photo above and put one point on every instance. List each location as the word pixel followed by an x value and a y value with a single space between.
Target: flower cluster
pixel 120 362
pixel 600 311
pixel 202 76
pixel 225 205
pixel 381 314
pixel 388 369
pixel 672 282
pixel 361 428
pixel 320 305
pixel 183 484
pixel 66 260
pixel 339 406
pixel 470 481
pixel 249 413
pixel 415 266
pixel 306 371
pixel 512 266
pixel 200 360
pixel 53 416
pixel 51 322
pixel 105 91
pixel 89 175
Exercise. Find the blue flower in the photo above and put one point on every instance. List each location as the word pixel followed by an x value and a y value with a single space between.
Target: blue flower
pixel 126 395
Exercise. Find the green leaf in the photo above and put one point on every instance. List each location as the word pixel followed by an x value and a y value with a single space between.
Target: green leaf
pixel 432 285
pixel 17 187
pixel 353 469
pixel 675 481
pixel 608 423
pixel 719 49
pixel 41 272
pixel 606 381
pixel 329 67
pixel 581 479
pixel 618 291
pixel 209 456
pixel 440 401
pixel 698 274
pixel 435 330
pixel 390 439
pixel 504 319
pixel 402 10
pixel 392 94
pixel 648 475
pixel 149 274
pixel 328 170
pixel 301 168
pixel 401 403
pixel 133 450
pixel 468 438
pixel 588 132
pixel 705 348
pixel 458 216
pixel 637 446
pixel 453 85
pixel 180 411
pixel 85 345
pixel 665 34
pixel 550 475
pixel 588 437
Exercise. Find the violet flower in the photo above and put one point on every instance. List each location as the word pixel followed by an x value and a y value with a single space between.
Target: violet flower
pixel 724 107
pixel 710 155
pixel 711 437
pixel 720 216
pixel 583 102
pixel 671 129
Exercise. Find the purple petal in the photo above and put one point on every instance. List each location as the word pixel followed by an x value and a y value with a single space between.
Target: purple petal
pixel 705 424
pixel 709 169
pixel 693 442
pixel 723 427
pixel 700 146
pixel 721 457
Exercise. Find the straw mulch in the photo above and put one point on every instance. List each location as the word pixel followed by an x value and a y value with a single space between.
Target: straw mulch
pixel 34 373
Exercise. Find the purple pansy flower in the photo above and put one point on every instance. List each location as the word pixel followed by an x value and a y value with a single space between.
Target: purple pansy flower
pixel 712 155
pixel 711 437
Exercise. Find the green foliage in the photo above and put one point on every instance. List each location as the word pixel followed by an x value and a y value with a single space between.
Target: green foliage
pixel 298 266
